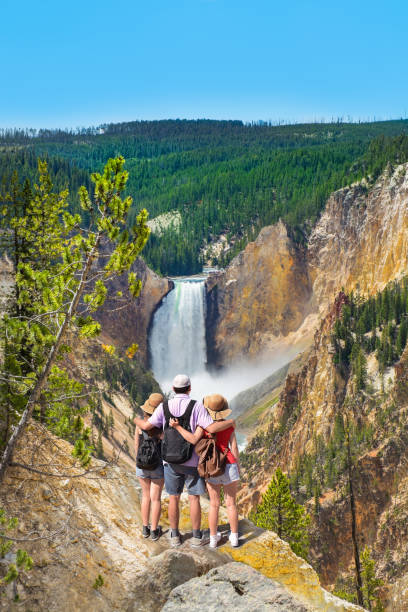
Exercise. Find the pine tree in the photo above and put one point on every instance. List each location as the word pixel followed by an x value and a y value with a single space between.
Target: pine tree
pixel 53 283
pixel 99 446
pixel 279 512
pixel 354 536
pixel 370 582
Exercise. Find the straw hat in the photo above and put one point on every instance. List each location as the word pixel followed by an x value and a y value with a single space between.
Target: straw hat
pixel 217 406
pixel 152 402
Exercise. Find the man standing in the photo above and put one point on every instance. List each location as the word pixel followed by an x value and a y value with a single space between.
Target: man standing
pixel 176 475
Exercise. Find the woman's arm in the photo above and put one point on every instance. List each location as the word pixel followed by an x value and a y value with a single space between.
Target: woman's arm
pixel 234 449
pixel 220 426
pixel 193 438
pixel 137 432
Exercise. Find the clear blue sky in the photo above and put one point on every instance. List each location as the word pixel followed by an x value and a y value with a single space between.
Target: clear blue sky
pixel 85 62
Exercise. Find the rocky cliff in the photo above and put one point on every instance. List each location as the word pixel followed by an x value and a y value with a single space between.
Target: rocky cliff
pixel 270 295
pixel 361 240
pixel 302 437
pixel 124 325
pixel 83 531
pixel 261 297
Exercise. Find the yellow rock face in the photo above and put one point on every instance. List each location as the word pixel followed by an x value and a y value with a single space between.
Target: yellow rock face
pixel 264 293
pixel 266 297
pixel 274 558
pixel 361 239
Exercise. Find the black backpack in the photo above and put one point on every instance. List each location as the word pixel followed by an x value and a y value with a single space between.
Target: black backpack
pixel 175 449
pixel 148 453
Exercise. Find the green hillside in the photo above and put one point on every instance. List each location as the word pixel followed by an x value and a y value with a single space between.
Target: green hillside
pixel 225 177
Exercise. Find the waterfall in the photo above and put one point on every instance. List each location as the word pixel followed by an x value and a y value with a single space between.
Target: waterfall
pixel 177 338
pixel 177 346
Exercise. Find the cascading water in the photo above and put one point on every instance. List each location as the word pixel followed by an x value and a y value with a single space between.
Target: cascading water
pixel 177 339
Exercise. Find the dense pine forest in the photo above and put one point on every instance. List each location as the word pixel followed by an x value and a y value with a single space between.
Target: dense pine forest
pixel 225 178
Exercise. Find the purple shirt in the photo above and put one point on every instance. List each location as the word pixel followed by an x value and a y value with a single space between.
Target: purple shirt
pixel 178 406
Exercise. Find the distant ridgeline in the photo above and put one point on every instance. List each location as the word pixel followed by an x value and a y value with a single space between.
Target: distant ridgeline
pixel 225 178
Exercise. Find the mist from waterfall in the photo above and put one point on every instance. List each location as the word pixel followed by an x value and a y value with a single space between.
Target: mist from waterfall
pixel 178 346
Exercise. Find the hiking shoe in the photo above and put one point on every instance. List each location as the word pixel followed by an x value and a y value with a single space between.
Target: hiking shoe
pixel 215 539
pixel 145 531
pixel 175 540
pixel 234 539
pixel 156 533
pixel 197 542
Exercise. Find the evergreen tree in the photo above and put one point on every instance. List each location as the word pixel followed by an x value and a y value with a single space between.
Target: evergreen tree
pixel 279 512
pixel 371 584
pixel 99 446
pixel 51 284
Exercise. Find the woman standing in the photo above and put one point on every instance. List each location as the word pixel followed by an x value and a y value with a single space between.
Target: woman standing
pixel 151 480
pixel 217 407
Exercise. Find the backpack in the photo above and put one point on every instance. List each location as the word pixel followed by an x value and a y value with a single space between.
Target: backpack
pixel 148 453
pixel 211 459
pixel 175 449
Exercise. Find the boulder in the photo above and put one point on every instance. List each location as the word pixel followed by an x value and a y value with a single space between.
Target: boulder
pixel 233 585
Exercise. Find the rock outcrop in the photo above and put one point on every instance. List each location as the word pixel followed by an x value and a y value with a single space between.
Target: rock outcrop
pixel 131 323
pixel 274 558
pixel 271 295
pixel 232 586
pixel 261 297
pixel 85 537
pixel 361 240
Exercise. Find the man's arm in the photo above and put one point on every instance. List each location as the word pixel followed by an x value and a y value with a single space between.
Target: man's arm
pixel 142 424
pixel 220 425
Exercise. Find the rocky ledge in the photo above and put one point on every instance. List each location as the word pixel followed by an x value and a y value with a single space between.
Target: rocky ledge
pixel 236 586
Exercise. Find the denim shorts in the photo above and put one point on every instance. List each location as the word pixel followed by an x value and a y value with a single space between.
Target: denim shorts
pixel 176 476
pixel 155 474
pixel 231 474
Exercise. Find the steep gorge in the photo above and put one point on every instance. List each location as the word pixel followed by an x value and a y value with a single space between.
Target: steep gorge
pixel 359 244
pixel 271 295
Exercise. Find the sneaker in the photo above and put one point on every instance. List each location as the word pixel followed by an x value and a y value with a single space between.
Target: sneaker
pixel 175 540
pixel 197 542
pixel 234 539
pixel 214 540
pixel 145 531
pixel 156 533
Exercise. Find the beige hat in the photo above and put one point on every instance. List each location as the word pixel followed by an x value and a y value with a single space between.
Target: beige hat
pixel 217 406
pixel 152 402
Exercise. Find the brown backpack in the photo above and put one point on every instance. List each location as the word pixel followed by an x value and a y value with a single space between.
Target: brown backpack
pixel 211 460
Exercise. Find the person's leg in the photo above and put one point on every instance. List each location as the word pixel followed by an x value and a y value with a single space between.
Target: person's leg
pixel 230 492
pixel 155 501
pixel 195 512
pixel 214 493
pixel 174 511
pixel 145 505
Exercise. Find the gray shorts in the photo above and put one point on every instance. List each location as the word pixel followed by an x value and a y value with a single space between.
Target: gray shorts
pixel 231 474
pixel 176 476
pixel 155 474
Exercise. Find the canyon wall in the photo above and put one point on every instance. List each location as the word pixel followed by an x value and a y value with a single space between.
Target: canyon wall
pixel 131 323
pixel 271 294
pixel 303 422
pixel 261 297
